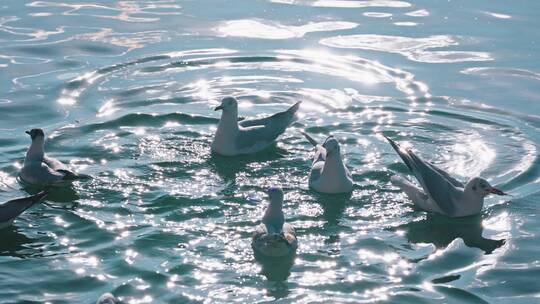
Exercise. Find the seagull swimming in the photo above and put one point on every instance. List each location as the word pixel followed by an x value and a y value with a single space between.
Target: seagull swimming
pixel 13 208
pixel 328 173
pixel 274 237
pixel 440 192
pixel 107 298
pixel 235 137
pixel 39 169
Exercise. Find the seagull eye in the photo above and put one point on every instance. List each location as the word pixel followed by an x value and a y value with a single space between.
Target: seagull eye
pixel 474 188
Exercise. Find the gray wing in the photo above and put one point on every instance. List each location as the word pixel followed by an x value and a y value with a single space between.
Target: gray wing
pixel 320 151
pixel 264 131
pixel 260 231
pixel 54 163
pixel 288 229
pixel 40 173
pixel 316 170
pixel 452 180
pixel 14 208
pixel 278 120
pixel 436 185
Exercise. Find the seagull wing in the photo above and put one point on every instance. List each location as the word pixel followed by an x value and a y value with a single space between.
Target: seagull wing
pixel 281 119
pixel 14 208
pixel 437 186
pixel 445 174
pixel 40 173
pixel 264 131
pixel 316 170
pixel 320 151
pixel 260 231
pixel 53 163
pixel 255 136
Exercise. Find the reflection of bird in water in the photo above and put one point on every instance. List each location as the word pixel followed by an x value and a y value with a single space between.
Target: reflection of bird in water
pixel 333 206
pixel 228 167
pixel 441 231
pixel 14 243
pixel 276 269
pixel 440 192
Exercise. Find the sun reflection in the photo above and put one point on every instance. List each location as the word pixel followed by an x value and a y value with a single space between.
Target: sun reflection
pixel 272 30
pixel 417 49
pixel 347 3
pixel 470 156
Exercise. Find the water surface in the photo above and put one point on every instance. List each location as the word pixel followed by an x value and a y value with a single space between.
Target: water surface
pixel 125 93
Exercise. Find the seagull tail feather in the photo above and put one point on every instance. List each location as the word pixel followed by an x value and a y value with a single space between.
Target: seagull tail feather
pixel 68 175
pixel 310 139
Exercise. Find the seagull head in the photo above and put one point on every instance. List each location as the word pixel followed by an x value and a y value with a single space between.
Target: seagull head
pixel 482 187
pixel 36 134
pixel 227 104
pixel 275 194
pixel 331 145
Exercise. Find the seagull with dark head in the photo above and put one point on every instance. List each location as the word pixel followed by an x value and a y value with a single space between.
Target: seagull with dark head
pixel 247 136
pixel 440 192
pixel 39 169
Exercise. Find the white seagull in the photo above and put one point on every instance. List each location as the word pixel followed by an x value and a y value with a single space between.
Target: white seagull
pixel 39 169
pixel 107 298
pixel 235 137
pixel 13 208
pixel 440 192
pixel 328 173
pixel 274 237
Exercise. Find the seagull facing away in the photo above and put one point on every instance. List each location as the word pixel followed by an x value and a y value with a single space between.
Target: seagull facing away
pixel 13 208
pixel 440 192
pixel 274 237
pixel 39 169
pixel 235 137
pixel 328 173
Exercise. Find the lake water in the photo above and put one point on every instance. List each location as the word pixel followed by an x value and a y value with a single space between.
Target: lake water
pixel 125 92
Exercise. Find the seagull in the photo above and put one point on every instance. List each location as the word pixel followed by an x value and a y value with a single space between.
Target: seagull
pixel 13 208
pixel 39 169
pixel 235 137
pixel 328 173
pixel 440 192
pixel 274 237
pixel 107 298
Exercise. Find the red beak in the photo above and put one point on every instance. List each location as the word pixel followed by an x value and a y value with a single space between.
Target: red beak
pixel 496 191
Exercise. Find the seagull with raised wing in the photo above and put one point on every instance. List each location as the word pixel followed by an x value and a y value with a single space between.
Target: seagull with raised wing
pixel 274 237
pixel 10 210
pixel 328 172
pixel 247 136
pixel 40 169
pixel 440 192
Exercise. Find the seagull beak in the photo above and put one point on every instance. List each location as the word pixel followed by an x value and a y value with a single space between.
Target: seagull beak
pixel 496 191
pixel 27 132
pixel 220 107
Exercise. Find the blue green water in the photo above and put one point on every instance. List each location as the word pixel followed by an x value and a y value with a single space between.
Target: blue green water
pixel 125 90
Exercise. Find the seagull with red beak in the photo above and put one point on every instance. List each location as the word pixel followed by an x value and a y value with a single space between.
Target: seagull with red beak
pixel 440 192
